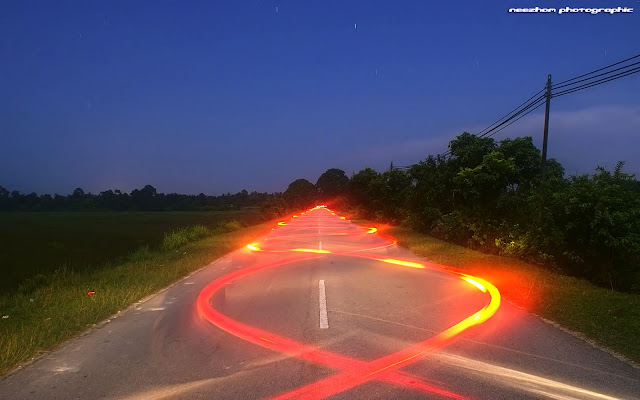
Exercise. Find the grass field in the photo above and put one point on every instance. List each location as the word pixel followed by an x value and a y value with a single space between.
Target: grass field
pixel 59 308
pixel 35 243
pixel 611 319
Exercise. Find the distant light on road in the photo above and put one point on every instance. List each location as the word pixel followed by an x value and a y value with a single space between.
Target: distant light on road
pixel 400 262
pixel 253 248
pixel 311 251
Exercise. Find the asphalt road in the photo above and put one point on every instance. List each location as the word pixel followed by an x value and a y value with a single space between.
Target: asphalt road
pixel 323 308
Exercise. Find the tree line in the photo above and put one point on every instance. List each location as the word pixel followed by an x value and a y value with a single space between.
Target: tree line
pixel 144 199
pixel 488 195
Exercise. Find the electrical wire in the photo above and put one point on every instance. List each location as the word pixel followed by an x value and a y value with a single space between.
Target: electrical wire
pixel 598 70
pixel 595 76
pixel 598 82
pixel 533 103
pixel 493 128
pixel 533 109
pixel 529 99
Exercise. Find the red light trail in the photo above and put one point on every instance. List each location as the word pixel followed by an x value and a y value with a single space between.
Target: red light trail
pixel 353 372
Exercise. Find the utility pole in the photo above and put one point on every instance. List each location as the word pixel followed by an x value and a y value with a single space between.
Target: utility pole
pixel 544 149
pixel 546 130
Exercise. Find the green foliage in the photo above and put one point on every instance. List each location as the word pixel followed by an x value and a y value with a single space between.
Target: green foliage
pixel 53 308
pixel 381 196
pixel 364 188
pixel 275 207
pixel 601 219
pixel 145 199
pixel 179 237
pixel 340 204
pixel 331 184
pixel 301 194
pixel 230 226
pixel 468 150
pixel 489 196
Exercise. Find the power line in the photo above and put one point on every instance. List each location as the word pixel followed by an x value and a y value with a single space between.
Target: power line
pixel 595 76
pixel 598 70
pixel 512 116
pixel 533 109
pixel 598 82
pixel 569 84
pixel 526 101
pixel 492 131
pixel 535 101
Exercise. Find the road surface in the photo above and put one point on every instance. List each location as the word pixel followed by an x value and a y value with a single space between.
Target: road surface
pixel 322 308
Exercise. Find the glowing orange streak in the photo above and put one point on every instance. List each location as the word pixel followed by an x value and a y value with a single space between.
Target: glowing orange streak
pixel 287 346
pixel 311 251
pixel 352 378
pixel 475 283
pixel 282 223
pixel 356 372
pixel 253 248
pixel 400 262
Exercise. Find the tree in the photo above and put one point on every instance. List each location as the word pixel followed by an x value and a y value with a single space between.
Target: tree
pixel 433 192
pixel 600 219
pixel 144 198
pixel 332 183
pixel 78 193
pixel 300 194
pixel 468 150
pixel 274 207
pixel 393 194
pixel 5 200
pixel 526 158
pixel 365 190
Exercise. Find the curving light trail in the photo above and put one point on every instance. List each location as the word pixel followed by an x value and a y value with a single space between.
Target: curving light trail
pixel 354 372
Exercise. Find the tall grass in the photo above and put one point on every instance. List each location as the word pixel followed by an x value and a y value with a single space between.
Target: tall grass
pixel 180 237
pixel 56 307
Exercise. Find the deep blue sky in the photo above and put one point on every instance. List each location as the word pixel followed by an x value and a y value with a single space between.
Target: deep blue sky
pixel 217 96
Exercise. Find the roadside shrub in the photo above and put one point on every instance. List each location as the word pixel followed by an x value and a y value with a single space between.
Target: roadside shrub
pixel 600 220
pixel 230 226
pixel 274 207
pixel 196 232
pixel 450 227
pixel 180 237
pixel 425 220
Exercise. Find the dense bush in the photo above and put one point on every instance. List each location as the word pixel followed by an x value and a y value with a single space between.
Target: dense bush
pixel 275 207
pixel 488 195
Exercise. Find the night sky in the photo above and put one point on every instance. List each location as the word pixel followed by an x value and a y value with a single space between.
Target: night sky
pixel 219 96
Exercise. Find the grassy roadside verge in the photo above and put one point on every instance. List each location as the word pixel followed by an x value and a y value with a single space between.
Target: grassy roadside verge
pixel 38 243
pixel 611 319
pixel 60 309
